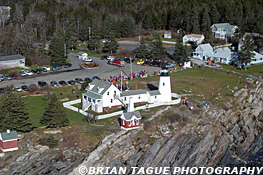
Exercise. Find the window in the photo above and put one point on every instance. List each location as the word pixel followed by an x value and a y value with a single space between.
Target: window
pixel 114 92
pixel 123 122
pixel 89 99
pixel 129 123
pixel 94 100
pixel 139 97
pixel 111 100
pixel 163 84
pixel 136 122
pixel 124 98
pixel 155 97
pixel 108 93
pixel 98 101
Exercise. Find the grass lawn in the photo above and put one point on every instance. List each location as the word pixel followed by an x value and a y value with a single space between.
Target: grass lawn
pixel 90 53
pixel 67 92
pixel 169 39
pixel 252 70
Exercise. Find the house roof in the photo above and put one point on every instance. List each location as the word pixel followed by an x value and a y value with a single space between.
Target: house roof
pixel 194 36
pixel 206 46
pixel 225 26
pixel 11 57
pixel 254 36
pixel 224 52
pixel 92 95
pixel 9 136
pixel 98 84
pixel 257 55
pixel 154 92
pixel 129 115
pixel 134 92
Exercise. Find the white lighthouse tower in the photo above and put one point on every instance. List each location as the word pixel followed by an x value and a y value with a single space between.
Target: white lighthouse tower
pixel 165 85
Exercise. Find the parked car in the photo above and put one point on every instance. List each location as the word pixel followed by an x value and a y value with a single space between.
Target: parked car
pixel 154 63
pixel 32 85
pixel 28 73
pixel 43 69
pixel 18 89
pixel 140 62
pixel 71 82
pixel 2 78
pixel 146 63
pixel 24 87
pixel 111 58
pixel 14 76
pixel 54 83
pixel 88 60
pixel 128 60
pixel 79 80
pixel 68 65
pixel 12 73
pixel 22 74
pixel 7 77
pixel 42 83
pixel 116 62
pixel 104 57
pixel 95 77
pixel 87 79
pixel 63 83
pixel 58 67
pixel 1 90
pixel 37 71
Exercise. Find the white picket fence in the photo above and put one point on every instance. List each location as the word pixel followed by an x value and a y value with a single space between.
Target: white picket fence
pixel 69 104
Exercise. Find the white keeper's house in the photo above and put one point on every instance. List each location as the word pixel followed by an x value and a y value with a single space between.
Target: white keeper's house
pixel 102 95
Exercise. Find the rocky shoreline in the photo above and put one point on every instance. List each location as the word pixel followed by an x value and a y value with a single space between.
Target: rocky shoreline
pixel 213 138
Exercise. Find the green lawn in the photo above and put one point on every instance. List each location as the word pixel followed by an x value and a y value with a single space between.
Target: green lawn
pixel 252 70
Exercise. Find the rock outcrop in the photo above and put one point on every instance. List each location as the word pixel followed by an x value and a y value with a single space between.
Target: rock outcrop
pixel 214 138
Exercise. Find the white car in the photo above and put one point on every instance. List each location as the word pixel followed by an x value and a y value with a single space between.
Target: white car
pixel 28 73
pixel 88 60
pixel 18 89
pixel 111 58
pixel 22 74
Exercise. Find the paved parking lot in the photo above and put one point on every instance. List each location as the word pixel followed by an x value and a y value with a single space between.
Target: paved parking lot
pixel 104 71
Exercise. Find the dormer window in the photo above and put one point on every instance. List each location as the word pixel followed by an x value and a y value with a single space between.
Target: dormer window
pixel 108 93
pixel 163 84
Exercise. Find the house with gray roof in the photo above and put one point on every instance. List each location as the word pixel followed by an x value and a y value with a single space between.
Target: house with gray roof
pixel 221 55
pixel 12 61
pixel 202 51
pixel 223 30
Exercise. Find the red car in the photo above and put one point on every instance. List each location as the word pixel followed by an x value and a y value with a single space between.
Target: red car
pixel 13 73
pixel 116 63
pixel 146 63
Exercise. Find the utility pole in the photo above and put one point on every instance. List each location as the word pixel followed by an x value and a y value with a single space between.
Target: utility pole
pixel 65 50
pixel 131 66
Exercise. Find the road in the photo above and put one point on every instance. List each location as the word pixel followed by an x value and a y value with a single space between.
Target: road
pixel 103 71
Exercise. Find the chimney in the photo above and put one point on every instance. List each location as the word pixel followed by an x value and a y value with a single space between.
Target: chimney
pixel 8 131
pixel 131 105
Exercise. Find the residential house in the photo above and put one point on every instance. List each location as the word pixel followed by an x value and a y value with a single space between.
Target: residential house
pixel 12 61
pixel 254 36
pixel 202 51
pixel 8 141
pixel 221 55
pixel 167 34
pixel 223 30
pixel 193 39
pixel 257 58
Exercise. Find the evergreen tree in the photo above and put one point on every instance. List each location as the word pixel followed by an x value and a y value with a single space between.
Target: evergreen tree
pixel 214 14
pixel 157 49
pixel 14 114
pixel 111 45
pixel 57 49
pixel 195 21
pixel 205 21
pixel 246 52
pixel 142 51
pixel 147 22
pixel 180 53
pixel 187 22
pixel 84 30
pixel 71 33
pixel 108 26
pixel 54 115
pixel 128 27
pixel 94 40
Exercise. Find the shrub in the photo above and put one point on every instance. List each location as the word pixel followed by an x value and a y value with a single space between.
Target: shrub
pixel 28 62
pixel 32 88
pixel 147 125
pixel 50 141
